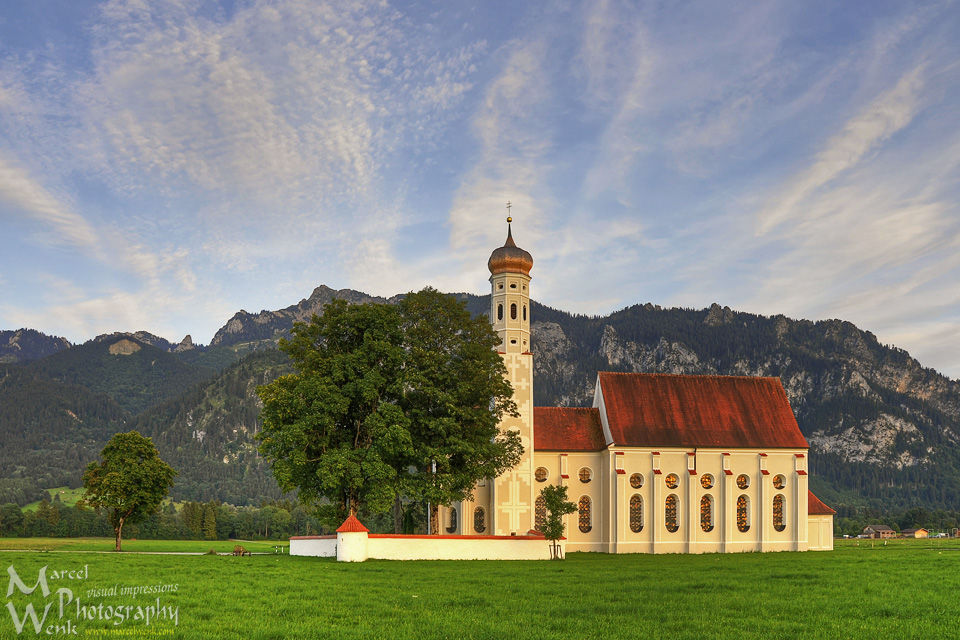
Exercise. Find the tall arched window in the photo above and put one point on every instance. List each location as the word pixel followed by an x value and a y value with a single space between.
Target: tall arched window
pixel 479 520
pixel 585 515
pixel 524 312
pixel 636 513
pixel 540 511
pixel 513 311
pixel 499 312
pixel 452 527
pixel 706 513
pixel 743 514
pixel 671 514
pixel 778 523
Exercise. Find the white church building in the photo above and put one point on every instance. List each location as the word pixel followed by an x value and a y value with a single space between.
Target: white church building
pixel 659 463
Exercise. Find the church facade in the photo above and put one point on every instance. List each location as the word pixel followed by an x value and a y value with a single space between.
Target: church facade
pixel 659 463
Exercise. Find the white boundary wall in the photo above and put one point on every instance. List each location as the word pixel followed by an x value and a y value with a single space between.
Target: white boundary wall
pixel 317 546
pixel 359 546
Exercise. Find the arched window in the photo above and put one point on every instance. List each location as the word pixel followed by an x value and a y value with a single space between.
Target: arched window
pixel 540 474
pixel 706 513
pixel 778 523
pixel 585 516
pixel 672 481
pixel 524 312
pixel 452 527
pixel 585 474
pixel 540 512
pixel 636 513
pixel 499 312
pixel 636 480
pixel 743 514
pixel 479 520
pixel 513 311
pixel 671 514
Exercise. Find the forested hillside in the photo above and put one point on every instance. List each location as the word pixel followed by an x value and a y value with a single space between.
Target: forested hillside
pixel 883 429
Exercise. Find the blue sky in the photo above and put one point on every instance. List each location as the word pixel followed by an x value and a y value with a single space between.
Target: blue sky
pixel 165 164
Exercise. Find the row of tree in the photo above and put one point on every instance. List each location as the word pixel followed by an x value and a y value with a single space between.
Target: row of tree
pixel 194 521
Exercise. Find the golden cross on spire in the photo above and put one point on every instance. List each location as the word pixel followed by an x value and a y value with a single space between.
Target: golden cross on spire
pixel 509 219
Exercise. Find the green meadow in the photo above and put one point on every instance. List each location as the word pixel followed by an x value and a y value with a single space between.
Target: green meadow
pixel 904 589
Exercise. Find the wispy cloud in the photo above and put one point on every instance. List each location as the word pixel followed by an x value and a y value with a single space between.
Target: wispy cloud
pixel 886 115
pixel 21 193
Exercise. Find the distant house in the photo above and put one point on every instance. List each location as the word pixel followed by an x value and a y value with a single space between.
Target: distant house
pixel 878 531
pixel 915 533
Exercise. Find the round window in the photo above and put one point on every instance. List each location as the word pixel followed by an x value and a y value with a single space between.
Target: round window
pixel 706 481
pixel 779 482
pixel 636 481
pixel 540 474
pixel 585 475
pixel 672 480
pixel 743 481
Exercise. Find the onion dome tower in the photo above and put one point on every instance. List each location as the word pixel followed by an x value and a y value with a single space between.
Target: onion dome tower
pixel 512 499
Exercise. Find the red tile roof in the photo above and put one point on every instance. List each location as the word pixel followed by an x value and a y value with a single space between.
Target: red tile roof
pixel 567 429
pixel 815 506
pixel 352 525
pixel 658 410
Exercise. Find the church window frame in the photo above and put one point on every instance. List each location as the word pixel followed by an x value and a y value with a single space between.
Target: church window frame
pixel 672 481
pixel 706 513
pixel 585 514
pixel 479 520
pixel 671 513
pixel 743 513
pixel 585 474
pixel 636 480
pixel 743 481
pixel 706 481
pixel 779 482
pixel 524 313
pixel 499 312
pixel 779 519
pixel 541 474
pixel 636 513
pixel 452 520
pixel 540 513
pixel 513 310
pixel 513 285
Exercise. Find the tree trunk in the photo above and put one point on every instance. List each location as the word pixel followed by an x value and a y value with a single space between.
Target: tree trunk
pixel 434 519
pixel 119 529
pixel 397 515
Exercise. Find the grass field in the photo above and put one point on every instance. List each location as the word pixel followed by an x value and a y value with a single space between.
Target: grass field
pixel 68 497
pixel 899 590
pixel 151 546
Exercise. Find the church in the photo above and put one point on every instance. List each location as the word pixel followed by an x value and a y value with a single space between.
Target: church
pixel 659 463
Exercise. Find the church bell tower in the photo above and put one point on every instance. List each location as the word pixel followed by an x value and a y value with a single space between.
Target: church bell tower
pixel 512 499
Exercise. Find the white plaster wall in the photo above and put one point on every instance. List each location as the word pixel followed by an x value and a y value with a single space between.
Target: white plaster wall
pixel 316 546
pixel 820 533
pixel 389 547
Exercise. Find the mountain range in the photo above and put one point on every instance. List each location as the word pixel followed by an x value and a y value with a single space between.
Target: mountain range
pixel 883 430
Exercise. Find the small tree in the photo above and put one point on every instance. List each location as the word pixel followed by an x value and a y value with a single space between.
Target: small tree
pixel 130 482
pixel 555 500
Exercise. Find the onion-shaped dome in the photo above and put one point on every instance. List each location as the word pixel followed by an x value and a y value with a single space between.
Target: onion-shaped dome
pixel 510 258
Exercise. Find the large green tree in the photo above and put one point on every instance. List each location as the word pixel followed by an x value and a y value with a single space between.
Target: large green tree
pixel 455 395
pixel 130 482
pixel 382 394
pixel 333 429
